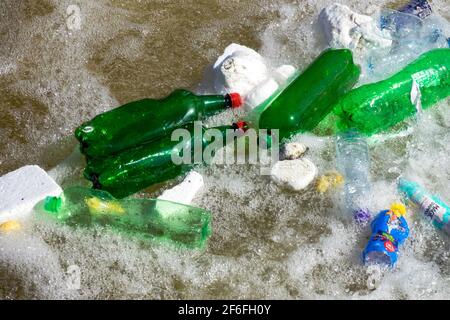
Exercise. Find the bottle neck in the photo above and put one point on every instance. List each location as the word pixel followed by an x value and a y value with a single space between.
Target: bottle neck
pixel 215 103
pixel 53 204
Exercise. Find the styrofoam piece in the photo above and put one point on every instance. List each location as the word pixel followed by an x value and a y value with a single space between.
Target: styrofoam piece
pixel 185 191
pixel 239 70
pixel 294 174
pixel 284 72
pixel 182 193
pixel 22 189
pixel 293 150
pixel 260 93
pixel 345 28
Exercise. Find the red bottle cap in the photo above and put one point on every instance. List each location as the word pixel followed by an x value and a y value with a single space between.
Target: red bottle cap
pixel 240 125
pixel 236 100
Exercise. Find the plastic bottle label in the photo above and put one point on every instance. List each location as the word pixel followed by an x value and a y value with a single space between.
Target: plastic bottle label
pixel 416 96
pixel 434 211
pixel 422 9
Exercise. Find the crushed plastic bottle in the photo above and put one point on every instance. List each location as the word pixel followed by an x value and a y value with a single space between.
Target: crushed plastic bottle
pixel 414 30
pixel 389 231
pixel 378 106
pixel 419 8
pixel 431 206
pixel 139 218
pixel 353 161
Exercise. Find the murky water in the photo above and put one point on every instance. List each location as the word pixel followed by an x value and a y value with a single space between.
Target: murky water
pixel 62 62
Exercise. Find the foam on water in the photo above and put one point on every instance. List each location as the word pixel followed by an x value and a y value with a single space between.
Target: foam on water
pixel 267 242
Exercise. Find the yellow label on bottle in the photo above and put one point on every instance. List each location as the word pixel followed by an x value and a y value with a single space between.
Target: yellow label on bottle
pixel 98 206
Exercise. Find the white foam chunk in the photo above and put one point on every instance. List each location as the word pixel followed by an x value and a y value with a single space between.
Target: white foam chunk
pixel 294 174
pixel 239 69
pixel 260 93
pixel 284 72
pixel 293 150
pixel 22 189
pixel 243 70
pixel 345 28
pixel 186 191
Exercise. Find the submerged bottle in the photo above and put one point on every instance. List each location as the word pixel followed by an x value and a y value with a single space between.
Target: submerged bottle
pixel 353 162
pixel 431 206
pixel 310 96
pixel 145 120
pixel 419 8
pixel 140 218
pixel 389 231
pixel 380 105
pixel 138 168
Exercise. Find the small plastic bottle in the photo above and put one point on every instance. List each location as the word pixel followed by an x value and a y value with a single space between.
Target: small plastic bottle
pixel 353 162
pixel 389 231
pixel 431 206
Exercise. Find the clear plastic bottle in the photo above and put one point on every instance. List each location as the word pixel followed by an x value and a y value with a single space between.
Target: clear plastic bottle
pixel 412 32
pixel 353 162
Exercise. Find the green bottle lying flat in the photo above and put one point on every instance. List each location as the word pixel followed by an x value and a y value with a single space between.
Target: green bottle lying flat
pixel 146 120
pixel 137 168
pixel 159 220
pixel 310 96
pixel 378 106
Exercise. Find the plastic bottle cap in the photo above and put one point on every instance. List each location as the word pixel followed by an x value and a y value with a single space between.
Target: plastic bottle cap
pixel 240 125
pixel 236 100
pixel 53 204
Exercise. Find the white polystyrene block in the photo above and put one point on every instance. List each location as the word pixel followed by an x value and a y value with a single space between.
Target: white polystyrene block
pixel 185 191
pixel 239 70
pixel 294 174
pixel 284 72
pixel 293 150
pixel 182 193
pixel 22 189
pixel 231 49
pixel 345 29
pixel 260 93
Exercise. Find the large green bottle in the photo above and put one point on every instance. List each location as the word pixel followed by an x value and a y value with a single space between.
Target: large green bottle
pixel 138 168
pixel 380 105
pixel 148 119
pixel 310 96
pixel 142 218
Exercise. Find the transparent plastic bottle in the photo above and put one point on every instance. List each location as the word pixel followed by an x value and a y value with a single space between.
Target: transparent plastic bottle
pixel 413 32
pixel 353 162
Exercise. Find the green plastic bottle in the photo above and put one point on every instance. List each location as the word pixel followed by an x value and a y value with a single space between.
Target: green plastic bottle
pixel 153 219
pixel 378 106
pixel 145 120
pixel 143 166
pixel 310 96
